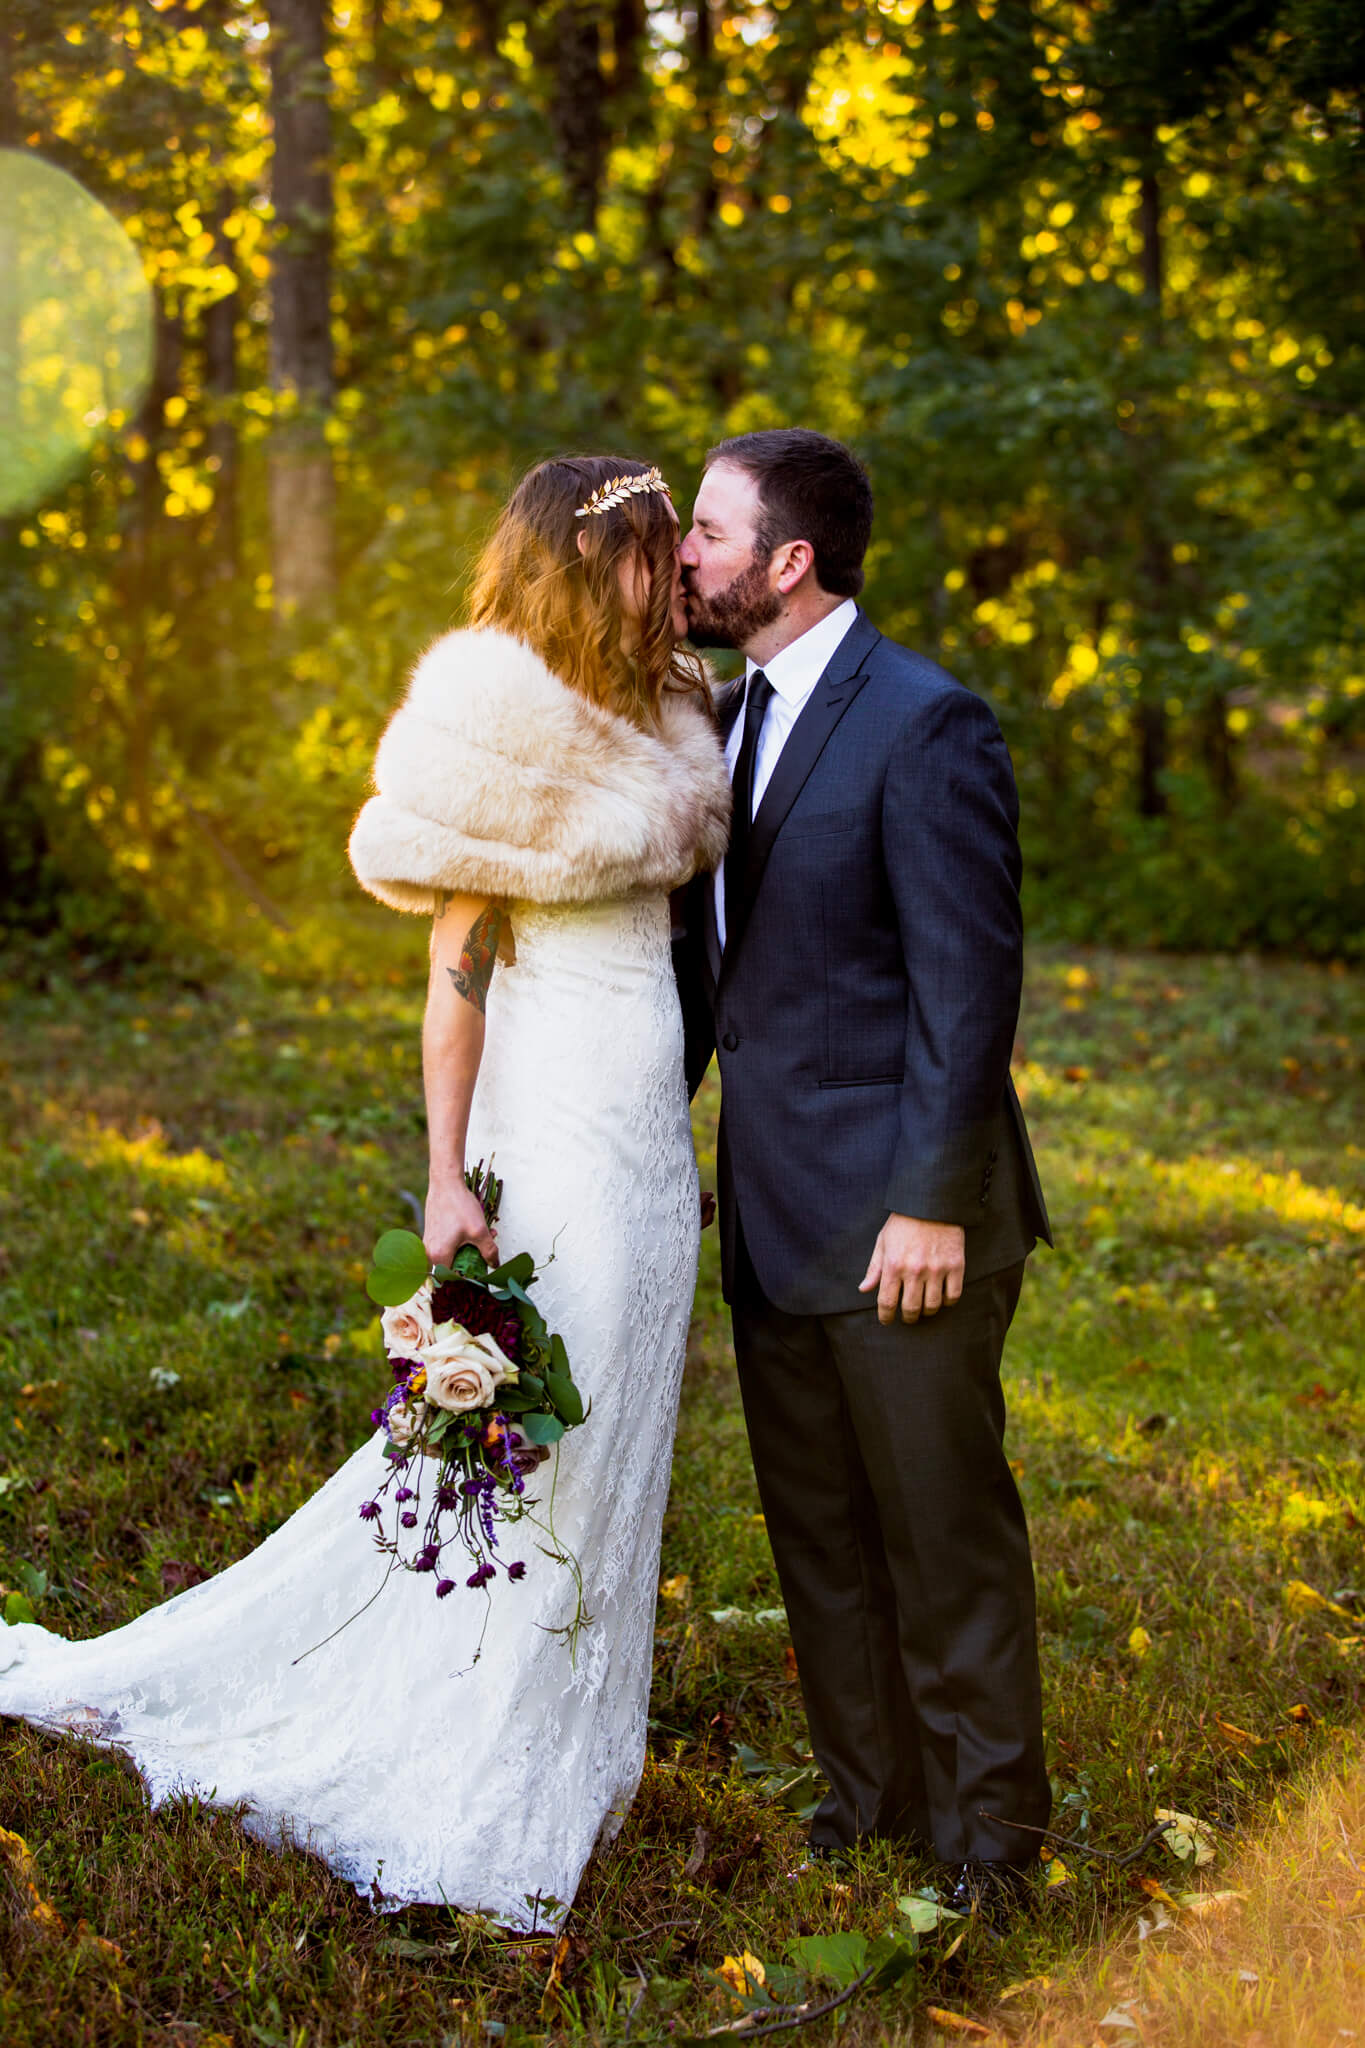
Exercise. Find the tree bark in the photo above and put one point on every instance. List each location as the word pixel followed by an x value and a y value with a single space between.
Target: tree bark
pixel 302 491
pixel 1152 731
pixel 220 387
pixel 576 106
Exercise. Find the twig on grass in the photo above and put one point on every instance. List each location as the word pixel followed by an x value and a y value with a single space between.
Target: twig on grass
pixel 1119 1860
pixel 785 2016
pixel 635 2002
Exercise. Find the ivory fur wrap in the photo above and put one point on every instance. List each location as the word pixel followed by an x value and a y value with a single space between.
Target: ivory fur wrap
pixel 496 779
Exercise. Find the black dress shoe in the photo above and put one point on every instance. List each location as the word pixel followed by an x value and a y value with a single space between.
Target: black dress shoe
pixel 995 1892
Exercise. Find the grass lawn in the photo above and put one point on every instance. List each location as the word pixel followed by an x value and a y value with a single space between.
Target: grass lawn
pixel 193 1177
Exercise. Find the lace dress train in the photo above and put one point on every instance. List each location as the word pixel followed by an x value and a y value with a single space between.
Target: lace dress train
pixel 419 1766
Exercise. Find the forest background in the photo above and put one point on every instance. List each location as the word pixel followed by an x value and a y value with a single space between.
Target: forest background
pixel 289 294
pixel 1083 283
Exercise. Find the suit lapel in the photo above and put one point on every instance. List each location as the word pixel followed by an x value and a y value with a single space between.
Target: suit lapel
pixel 806 741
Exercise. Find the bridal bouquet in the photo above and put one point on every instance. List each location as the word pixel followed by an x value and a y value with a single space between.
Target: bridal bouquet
pixel 482 1392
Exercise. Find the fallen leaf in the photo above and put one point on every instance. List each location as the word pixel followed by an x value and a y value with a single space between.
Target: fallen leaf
pixel 1057 1872
pixel 1076 1073
pixel 1156 1890
pixel 744 1974
pixel 925 1915
pixel 1188 1838
pixel 1024 1985
pixel 552 1982
pixel 1139 1642
pixel 107 1951
pixel 676 1588
pixel 956 2022
pixel 1208 1905
pixel 1239 1738
pixel 789 1671
pixel 140 1217
pixel 1304 1716
pixel 1119 2016
pixel 1301 1598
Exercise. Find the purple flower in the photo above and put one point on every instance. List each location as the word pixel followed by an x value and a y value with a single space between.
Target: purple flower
pixel 471 1486
pixel 444 1586
pixel 369 1511
pixel 404 1493
pixel 481 1576
pixel 425 1562
pixel 409 1520
pixel 447 1497
pixel 377 1415
pixel 517 1570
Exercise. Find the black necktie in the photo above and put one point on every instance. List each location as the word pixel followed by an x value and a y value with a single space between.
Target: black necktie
pixel 737 858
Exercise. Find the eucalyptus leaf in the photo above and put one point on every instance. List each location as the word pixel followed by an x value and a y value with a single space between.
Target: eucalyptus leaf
pixel 541 1429
pixel 519 1271
pixel 400 1266
pixel 566 1397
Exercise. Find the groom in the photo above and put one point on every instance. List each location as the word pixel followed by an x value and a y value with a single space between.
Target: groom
pixel 856 965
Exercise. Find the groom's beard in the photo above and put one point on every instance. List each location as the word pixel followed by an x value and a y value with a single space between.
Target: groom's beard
pixel 733 615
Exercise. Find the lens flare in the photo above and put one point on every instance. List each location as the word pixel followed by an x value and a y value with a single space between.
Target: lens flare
pixel 75 326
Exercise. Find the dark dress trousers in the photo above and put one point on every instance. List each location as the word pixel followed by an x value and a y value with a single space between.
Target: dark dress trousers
pixel 863 1014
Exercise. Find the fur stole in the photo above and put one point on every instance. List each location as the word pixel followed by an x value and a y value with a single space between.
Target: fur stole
pixel 496 779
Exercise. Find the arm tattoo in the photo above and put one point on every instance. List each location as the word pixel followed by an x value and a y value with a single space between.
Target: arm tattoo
pixel 477 957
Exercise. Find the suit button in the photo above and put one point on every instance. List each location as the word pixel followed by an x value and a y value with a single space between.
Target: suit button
pixel 729 1041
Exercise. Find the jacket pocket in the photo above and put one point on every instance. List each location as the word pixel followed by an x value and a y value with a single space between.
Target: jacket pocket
pixel 806 827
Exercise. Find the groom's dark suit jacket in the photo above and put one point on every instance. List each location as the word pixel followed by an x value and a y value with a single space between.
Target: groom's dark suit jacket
pixel 864 1009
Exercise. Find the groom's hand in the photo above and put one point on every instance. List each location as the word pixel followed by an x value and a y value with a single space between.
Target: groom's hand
pixel 917 1268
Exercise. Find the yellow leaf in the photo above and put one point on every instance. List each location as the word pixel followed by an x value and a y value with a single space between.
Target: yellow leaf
pixel 744 1974
pixel 1024 1985
pixel 1187 1838
pixel 676 1588
pixel 957 2022
pixel 1057 1872
pixel 1239 1738
pixel 1156 1890
pixel 1208 1905
pixel 1301 1598
pixel 1139 1642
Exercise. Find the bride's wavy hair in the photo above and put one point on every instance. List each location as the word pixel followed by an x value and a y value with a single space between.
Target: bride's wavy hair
pixel 534 582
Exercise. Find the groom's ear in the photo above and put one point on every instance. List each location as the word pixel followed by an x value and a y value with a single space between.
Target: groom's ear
pixel 793 561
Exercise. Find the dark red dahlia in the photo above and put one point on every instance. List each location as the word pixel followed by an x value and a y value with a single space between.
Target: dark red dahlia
pixel 460 1301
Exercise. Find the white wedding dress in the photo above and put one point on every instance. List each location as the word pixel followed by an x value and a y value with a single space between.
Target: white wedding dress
pixel 418 1773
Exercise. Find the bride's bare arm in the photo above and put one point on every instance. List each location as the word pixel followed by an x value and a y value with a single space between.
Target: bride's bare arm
pixel 465 936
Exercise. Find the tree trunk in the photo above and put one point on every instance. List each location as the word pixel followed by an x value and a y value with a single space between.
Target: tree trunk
pixel 1155 568
pixel 704 86
pixel 1220 761
pixel 576 106
pixel 302 493
pixel 220 387
pixel 142 562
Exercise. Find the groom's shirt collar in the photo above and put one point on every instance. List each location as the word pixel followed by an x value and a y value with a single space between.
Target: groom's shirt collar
pixel 798 668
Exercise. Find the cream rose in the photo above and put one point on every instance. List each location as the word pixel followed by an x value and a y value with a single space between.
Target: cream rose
pixel 404 1422
pixel 409 1328
pixel 462 1371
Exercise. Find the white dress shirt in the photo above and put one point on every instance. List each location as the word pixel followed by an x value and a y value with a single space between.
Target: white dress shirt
pixel 793 674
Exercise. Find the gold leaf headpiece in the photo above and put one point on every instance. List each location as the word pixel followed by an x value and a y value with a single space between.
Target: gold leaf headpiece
pixel 617 489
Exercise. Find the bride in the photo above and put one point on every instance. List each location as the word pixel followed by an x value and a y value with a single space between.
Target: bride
pixel 551 775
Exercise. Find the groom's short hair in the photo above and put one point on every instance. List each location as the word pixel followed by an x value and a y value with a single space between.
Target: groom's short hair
pixel 810 488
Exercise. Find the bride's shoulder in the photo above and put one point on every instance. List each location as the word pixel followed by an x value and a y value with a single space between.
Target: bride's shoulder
pixel 485 681
pixel 496 775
